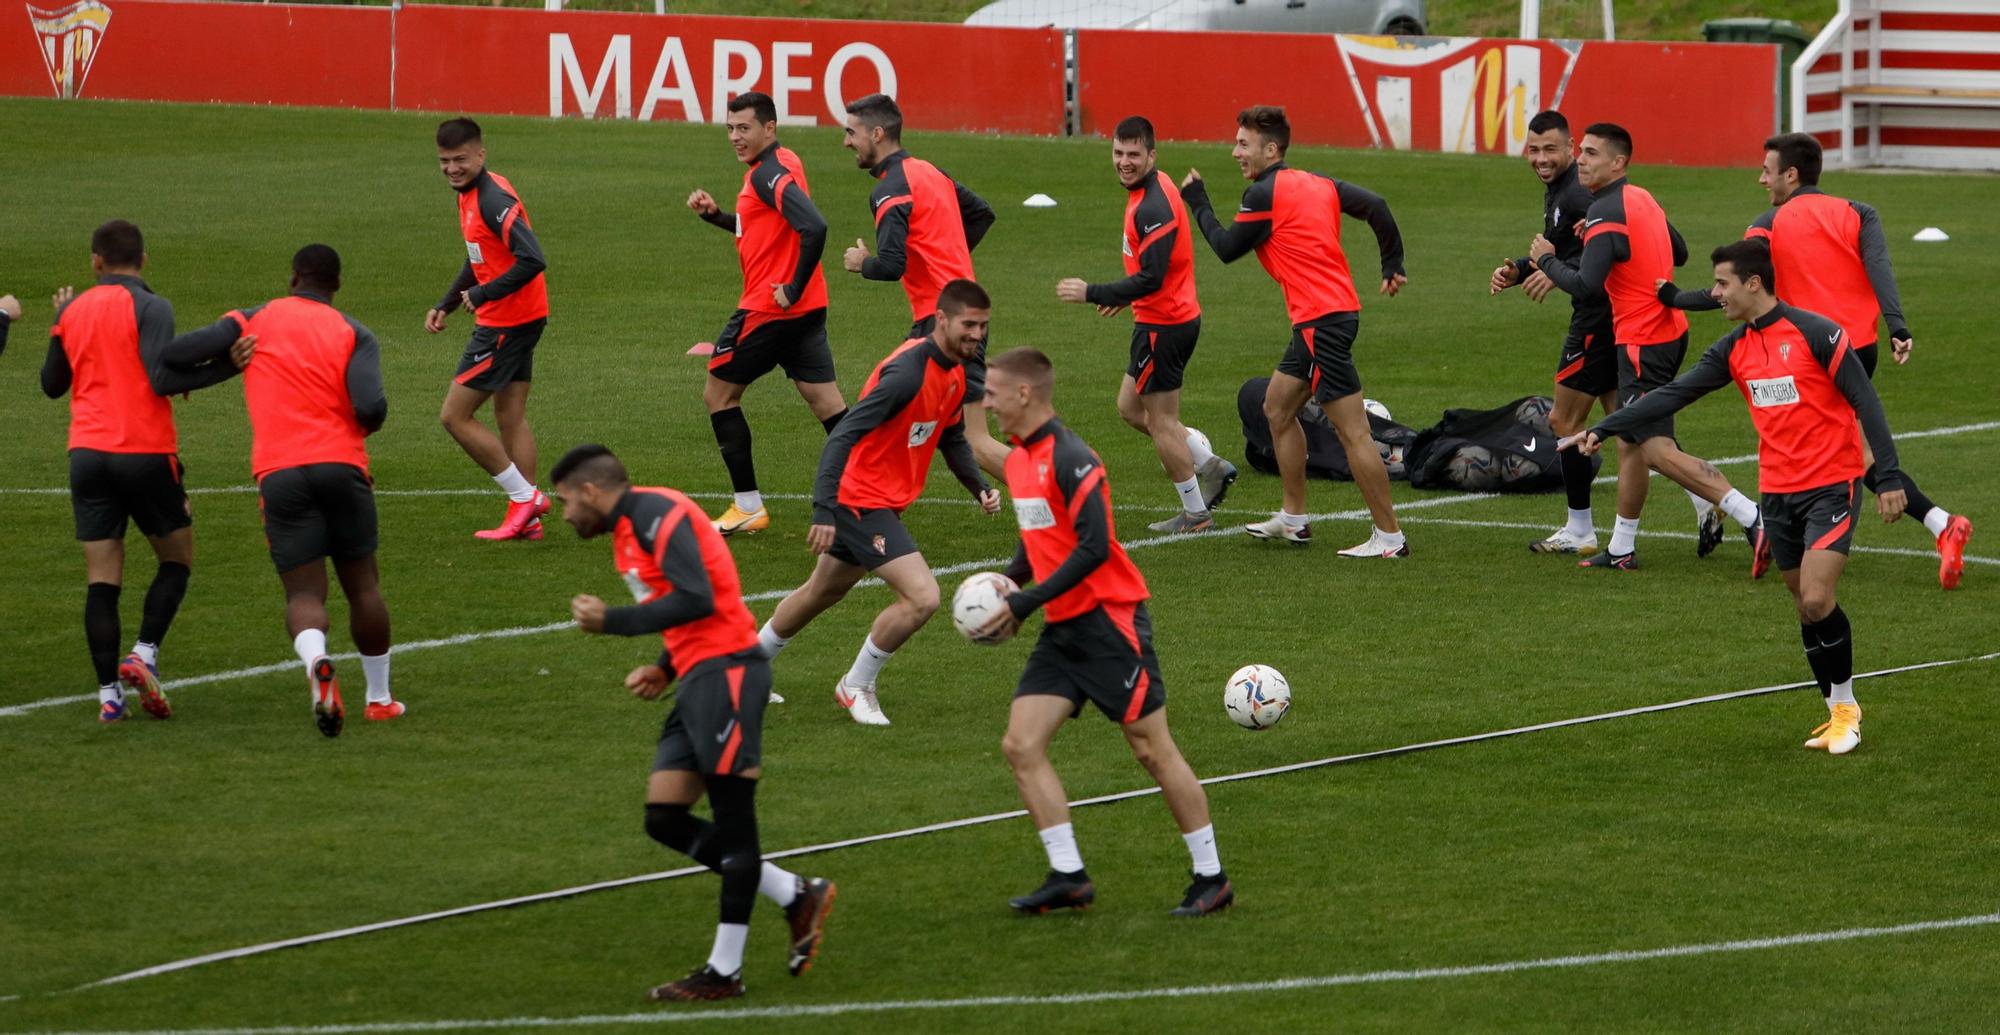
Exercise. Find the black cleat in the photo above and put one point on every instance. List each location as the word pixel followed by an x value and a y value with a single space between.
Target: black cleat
pixel 1206 895
pixel 1709 536
pixel 1060 891
pixel 699 986
pixel 1607 559
pixel 807 914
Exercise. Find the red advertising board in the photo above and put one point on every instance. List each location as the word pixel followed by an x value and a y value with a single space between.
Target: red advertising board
pixel 1192 84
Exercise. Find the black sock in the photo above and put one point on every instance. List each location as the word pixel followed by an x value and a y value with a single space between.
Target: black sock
pixel 1809 633
pixel 1576 474
pixel 1917 504
pixel 742 864
pixel 732 433
pixel 163 601
pixel 1836 647
pixel 684 832
pixel 832 422
pixel 100 628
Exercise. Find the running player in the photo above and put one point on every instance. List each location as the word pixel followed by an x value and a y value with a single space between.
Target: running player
pixel 926 226
pixel 1587 372
pixel 1159 286
pixel 313 388
pixel 502 283
pixel 107 350
pixel 1096 644
pixel 874 466
pixel 1291 218
pixel 1831 257
pixel 1806 389
pixel 1628 245
pixel 685 588
pixel 781 318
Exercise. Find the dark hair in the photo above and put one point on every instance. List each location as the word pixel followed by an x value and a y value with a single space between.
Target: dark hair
pixel 758 104
pixel 1611 133
pixel 1750 257
pixel 118 243
pixel 1548 120
pixel 590 463
pixel 1028 363
pixel 1134 127
pixel 1799 151
pixel 317 266
pixel 458 132
pixel 1267 121
pixel 960 295
pixel 879 111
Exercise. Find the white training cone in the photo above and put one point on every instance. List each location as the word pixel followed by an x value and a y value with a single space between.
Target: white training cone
pixel 1039 201
pixel 1931 233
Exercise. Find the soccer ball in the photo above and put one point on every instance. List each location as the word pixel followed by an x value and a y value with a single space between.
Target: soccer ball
pixel 1257 696
pixel 1376 408
pixel 977 600
pixel 1473 468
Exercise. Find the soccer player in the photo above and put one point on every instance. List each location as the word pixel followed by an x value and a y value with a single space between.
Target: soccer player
pixel 873 468
pixel 1807 389
pixel 1291 218
pixel 313 387
pixel 926 226
pixel 503 284
pixel 1587 372
pixel 1627 246
pixel 1096 645
pixel 1831 257
pixel 107 350
pixel 781 318
pixel 684 587
pixel 1159 286
pixel 10 311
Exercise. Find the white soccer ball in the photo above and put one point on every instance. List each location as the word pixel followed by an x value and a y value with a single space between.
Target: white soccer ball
pixel 977 600
pixel 1376 408
pixel 1257 696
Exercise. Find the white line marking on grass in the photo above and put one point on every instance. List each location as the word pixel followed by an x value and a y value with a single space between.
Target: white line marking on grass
pixel 1525 526
pixel 1291 984
pixel 995 817
pixel 1747 458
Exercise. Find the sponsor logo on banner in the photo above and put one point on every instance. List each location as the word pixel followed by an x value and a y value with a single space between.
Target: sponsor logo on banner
pixel 1472 96
pixel 69 38
pixel 671 91
pixel 1773 391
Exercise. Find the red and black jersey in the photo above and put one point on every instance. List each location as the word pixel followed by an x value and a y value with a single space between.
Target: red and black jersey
pixel 1291 218
pixel 1806 388
pixel 879 455
pixel 503 260
pixel 1565 203
pixel 1068 542
pixel 926 225
pixel 780 235
pixel 104 349
pixel 1831 257
pixel 682 578
pixel 314 390
pixel 1159 257
pixel 1628 246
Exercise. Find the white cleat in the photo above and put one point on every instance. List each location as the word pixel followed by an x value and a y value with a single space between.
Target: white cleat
pixel 860 703
pixel 1562 540
pixel 1377 546
pixel 777 698
pixel 1275 528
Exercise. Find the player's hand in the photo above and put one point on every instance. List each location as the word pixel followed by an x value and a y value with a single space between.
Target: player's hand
pixel 855 256
pixel 1539 247
pixel 1505 275
pixel 1538 285
pixel 1193 176
pixel 781 296
pixel 242 350
pixel 701 203
pixel 588 612
pixel 62 296
pixel 1890 504
pixel 647 682
pixel 11 306
pixel 1072 289
pixel 989 500
pixel 1393 284
pixel 434 320
pixel 1110 310
pixel 1899 348
pixel 1002 625
pixel 1584 442
pixel 820 538
pixel 465 299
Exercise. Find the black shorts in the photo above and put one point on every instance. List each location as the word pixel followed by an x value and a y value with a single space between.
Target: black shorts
pixel 499 356
pixel 1815 519
pixel 1589 362
pixel 1160 353
pixel 716 725
pixel 1867 354
pixel 869 539
pixel 107 489
pixel 1642 368
pixel 975 368
pixel 317 510
pixel 1104 656
pixel 1322 355
pixel 796 343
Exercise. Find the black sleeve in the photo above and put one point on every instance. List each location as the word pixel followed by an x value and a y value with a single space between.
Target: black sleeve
pixel 1586 280
pixel 1708 374
pixel 4 321
pixel 975 213
pixel 721 219
pixel 958 456
pixel 804 217
pixel 1692 300
pixel 690 598
pixel 1680 246
pixel 1241 236
pixel 364 380
pixel 1093 537
pixel 55 369
pixel 1851 377
pixel 197 359
pixel 494 205
pixel 1874 249
pixel 1155 255
pixel 892 234
pixel 900 382
pixel 1365 204
pixel 465 281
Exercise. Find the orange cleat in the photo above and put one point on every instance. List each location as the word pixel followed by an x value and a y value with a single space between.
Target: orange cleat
pixel 1951 550
pixel 519 517
pixel 383 711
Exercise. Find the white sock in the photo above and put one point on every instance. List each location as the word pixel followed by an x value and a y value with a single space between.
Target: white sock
pixel 311 646
pixel 1936 520
pixel 1580 524
pixel 1191 500
pixel 1740 508
pixel 770 642
pixel 868 664
pixel 110 692
pixel 1198 448
pixel 727 956
pixel 1843 693
pixel 1624 535
pixel 1060 841
pixel 1390 538
pixel 1291 520
pixel 377 670
pixel 517 488
pixel 1201 848
pixel 780 886
pixel 1702 507
pixel 750 502
pixel 148 653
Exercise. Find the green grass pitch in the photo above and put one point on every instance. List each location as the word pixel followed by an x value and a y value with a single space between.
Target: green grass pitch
pixel 521 764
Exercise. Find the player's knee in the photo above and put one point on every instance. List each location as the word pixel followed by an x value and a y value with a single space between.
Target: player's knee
pixel 671 825
pixel 923 601
pixel 1020 751
pixel 1147 753
pixel 1815 603
pixel 1277 414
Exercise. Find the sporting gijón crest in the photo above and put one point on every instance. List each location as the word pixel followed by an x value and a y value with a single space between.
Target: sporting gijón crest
pixel 69 38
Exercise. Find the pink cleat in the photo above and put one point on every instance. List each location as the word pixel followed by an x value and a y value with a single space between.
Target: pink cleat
pixel 523 521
